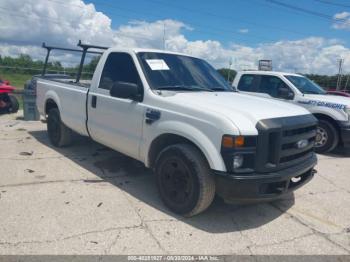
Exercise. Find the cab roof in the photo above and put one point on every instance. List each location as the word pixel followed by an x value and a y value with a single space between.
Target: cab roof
pixel 150 50
pixel 261 72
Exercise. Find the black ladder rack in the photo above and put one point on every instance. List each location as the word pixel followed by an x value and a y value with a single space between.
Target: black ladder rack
pixel 84 50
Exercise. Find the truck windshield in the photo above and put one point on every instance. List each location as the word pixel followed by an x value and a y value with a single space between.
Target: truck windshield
pixel 305 85
pixel 181 73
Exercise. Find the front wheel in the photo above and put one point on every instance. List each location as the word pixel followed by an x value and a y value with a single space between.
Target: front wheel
pixel 183 179
pixel 327 137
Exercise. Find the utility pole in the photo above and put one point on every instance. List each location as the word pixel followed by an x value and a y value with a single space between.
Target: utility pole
pixel 347 81
pixel 164 35
pixel 229 70
pixel 341 61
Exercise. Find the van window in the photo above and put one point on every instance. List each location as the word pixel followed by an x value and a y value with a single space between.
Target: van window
pixel 119 67
pixel 305 85
pixel 270 85
pixel 248 83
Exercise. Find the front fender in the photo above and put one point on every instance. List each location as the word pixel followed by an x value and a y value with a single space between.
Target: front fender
pixel 337 115
pixel 321 108
pixel 210 150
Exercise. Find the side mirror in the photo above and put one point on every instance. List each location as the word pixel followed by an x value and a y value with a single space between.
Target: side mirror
pixel 285 93
pixel 126 90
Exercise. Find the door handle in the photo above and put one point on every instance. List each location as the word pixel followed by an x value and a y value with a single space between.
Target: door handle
pixel 93 101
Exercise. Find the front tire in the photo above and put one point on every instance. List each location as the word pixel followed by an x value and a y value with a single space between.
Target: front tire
pixel 183 179
pixel 59 134
pixel 327 137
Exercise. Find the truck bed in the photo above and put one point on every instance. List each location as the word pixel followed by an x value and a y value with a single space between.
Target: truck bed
pixel 70 98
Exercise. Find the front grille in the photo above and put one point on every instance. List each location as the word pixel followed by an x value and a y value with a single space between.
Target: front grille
pixel 292 144
pixel 296 156
pixel 290 138
pixel 298 131
pixel 282 142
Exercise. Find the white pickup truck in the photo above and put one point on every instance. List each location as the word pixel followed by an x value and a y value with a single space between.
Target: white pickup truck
pixel 178 116
pixel 332 112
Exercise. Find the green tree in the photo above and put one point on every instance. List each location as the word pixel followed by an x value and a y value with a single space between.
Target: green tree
pixel 227 73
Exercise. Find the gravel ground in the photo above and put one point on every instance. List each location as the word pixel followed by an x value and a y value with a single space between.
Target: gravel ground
pixel 87 199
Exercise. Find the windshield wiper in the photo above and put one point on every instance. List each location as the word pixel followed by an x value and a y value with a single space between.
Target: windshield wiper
pixel 184 88
pixel 222 89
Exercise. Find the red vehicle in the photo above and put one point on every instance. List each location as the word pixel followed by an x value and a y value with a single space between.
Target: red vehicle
pixel 8 102
pixel 345 93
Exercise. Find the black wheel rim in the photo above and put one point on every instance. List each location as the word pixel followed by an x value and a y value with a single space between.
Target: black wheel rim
pixel 53 126
pixel 176 181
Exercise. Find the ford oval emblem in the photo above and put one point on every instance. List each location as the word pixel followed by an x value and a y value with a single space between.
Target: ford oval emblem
pixel 302 144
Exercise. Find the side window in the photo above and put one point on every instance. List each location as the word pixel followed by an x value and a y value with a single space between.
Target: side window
pixel 247 83
pixel 271 85
pixel 119 67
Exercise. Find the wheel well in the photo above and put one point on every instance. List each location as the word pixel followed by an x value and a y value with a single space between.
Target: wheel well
pixel 49 105
pixel 164 141
pixel 329 119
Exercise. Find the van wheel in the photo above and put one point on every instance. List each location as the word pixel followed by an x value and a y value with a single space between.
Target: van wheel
pixel 183 179
pixel 327 137
pixel 14 105
pixel 59 134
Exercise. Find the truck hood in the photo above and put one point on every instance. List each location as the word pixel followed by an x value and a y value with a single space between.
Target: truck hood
pixel 244 111
pixel 329 99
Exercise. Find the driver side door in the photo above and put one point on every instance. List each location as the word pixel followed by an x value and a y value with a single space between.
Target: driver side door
pixel 114 121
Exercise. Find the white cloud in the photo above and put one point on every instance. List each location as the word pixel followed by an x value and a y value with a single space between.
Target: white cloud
pixel 46 20
pixel 60 23
pixel 147 35
pixel 38 53
pixel 309 55
pixel 243 30
pixel 342 21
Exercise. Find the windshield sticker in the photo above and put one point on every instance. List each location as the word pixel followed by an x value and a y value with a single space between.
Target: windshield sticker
pixel 157 64
pixel 325 104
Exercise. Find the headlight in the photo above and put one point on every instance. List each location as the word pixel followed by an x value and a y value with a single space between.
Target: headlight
pixel 347 110
pixel 238 153
pixel 237 161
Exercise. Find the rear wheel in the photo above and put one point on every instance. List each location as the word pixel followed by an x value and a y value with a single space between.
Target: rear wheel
pixel 183 179
pixel 59 134
pixel 14 105
pixel 327 137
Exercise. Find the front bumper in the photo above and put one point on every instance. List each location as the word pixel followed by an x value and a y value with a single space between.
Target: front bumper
pixel 265 186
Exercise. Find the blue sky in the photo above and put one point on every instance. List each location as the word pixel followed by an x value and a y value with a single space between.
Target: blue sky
pixel 242 31
pixel 223 20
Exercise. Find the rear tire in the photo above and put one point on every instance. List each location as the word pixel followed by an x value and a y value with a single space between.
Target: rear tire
pixel 59 134
pixel 327 137
pixel 14 105
pixel 183 179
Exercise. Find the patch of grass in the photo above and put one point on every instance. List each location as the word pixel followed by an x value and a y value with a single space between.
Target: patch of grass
pixel 16 79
